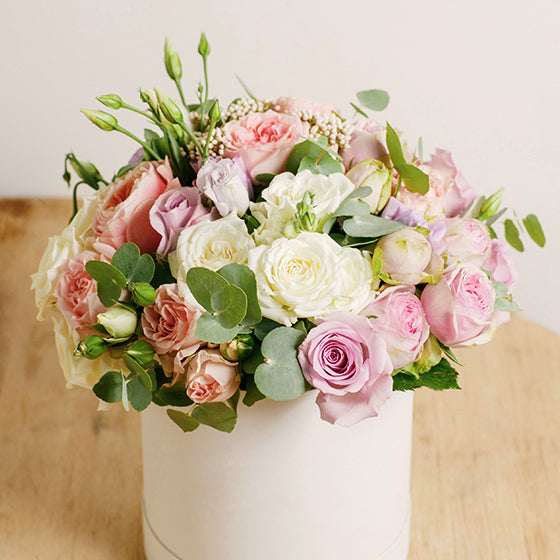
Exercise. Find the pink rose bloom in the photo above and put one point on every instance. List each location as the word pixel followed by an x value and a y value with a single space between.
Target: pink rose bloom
pixel 292 104
pixel 367 141
pixel 398 317
pixel 174 210
pixel 348 362
pixel 467 240
pixel 170 322
pixel 460 307
pixel 263 140
pixel 76 293
pixel 211 378
pixel 124 207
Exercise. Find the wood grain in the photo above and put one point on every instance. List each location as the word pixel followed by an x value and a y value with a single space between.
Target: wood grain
pixel 485 471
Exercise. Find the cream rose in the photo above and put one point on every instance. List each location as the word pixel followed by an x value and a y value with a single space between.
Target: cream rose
pixel 211 245
pixel 297 277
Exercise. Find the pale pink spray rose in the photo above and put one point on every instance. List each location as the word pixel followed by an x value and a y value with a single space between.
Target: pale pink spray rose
pixel 460 307
pixel 169 323
pixel 263 140
pixel 348 362
pixel 210 377
pixel 226 183
pixel 123 211
pixel 367 141
pixel 467 240
pixel 174 210
pixel 76 292
pixel 293 104
pixel 406 257
pixel 398 317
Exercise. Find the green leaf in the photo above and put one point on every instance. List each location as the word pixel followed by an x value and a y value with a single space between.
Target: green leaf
pixel 512 235
pixel 352 207
pixel 280 377
pixel 216 415
pixel 137 369
pixel 176 395
pixel 109 387
pixel 203 284
pixel 252 394
pixel 449 353
pixel 110 281
pixel 186 422
pixel 534 229
pixel 358 110
pixel 208 329
pixel 323 165
pixel 229 306
pixel 264 327
pixel 312 149
pixel 374 99
pixel 234 400
pixel 141 351
pixel 506 304
pixel 138 394
pixel 371 226
pixel 245 88
pixel 136 268
pixel 265 178
pixel 243 277
pixel 442 376
pixel 251 364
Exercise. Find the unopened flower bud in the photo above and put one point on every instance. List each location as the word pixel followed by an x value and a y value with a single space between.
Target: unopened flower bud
pixel 237 349
pixel 203 46
pixel 489 208
pixel 103 120
pixel 215 114
pixel 90 347
pixel 119 321
pixel 143 294
pixel 172 61
pixel 169 109
pixel 373 174
pixel 111 100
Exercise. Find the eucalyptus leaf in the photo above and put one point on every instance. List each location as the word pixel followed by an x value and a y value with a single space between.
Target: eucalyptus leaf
pixel 110 281
pixel 208 329
pixel 374 99
pixel 243 277
pixel 252 394
pixel 265 326
pixel 534 229
pixel 371 226
pixel 186 422
pixel 141 351
pixel 138 370
pixel 217 415
pixel 506 304
pixel 512 235
pixel 352 207
pixel 203 284
pixel 109 387
pixel 265 178
pixel 138 394
pixel 137 268
pixel 229 306
pixel 175 395
pixel 311 149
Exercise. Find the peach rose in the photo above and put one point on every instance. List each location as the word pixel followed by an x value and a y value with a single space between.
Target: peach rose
pixel 76 292
pixel 263 140
pixel 124 207
pixel 210 377
pixel 169 323
pixel 293 104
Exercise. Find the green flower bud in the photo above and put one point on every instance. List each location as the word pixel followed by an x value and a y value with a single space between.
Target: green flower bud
pixel 373 174
pixel 111 100
pixel 203 46
pixel 143 294
pixel 172 61
pixel 215 114
pixel 103 120
pixel 169 109
pixel 90 347
pixel 148 96
pixel 119 321
pixel 237 349
pixel 490 207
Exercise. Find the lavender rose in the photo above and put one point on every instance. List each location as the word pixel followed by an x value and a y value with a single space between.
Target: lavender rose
pixel 348 362
pixel 226 183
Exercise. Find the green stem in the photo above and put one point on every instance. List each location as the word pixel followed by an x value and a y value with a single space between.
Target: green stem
pixel 140 112
pixel 180 90
pixel 203 105
pixel 192 137
pixel 136 139
pixel 210 130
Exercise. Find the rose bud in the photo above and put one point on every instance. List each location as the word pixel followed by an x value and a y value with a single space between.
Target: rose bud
pixel 119 321
pixel 373 174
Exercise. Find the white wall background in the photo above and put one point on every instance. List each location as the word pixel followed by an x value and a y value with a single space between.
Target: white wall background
pixel 480 78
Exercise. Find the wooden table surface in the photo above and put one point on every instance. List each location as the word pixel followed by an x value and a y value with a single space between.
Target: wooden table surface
pixel 485 468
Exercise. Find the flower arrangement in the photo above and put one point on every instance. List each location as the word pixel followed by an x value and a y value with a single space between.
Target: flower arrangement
pixel 268 249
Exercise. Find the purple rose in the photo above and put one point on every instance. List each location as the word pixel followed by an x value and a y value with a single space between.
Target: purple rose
pixel 226 183
pixel 348 362
pixel 174 210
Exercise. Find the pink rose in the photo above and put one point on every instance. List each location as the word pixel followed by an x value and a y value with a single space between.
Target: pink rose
pixel 292 104
pixel 76 292
pixel 467 240
pixel 174 210
pixel 460 307
pixel 211 378
pixel 367 141
pixel 348 362
pixel 170 322
pixel 501 264
pixel 124 207
pixel 398 317
pixel 263 140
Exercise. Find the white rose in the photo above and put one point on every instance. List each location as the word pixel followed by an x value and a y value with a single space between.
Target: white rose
pixel 59 249
pixel 328 192
pixel 79 372
pixel 357 282
pixel 297 277
pixel 211 245
pixel 274 222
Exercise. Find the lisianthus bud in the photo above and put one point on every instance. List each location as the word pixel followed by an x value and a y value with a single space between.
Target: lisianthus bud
pixel 489 208
pixel 172 61
pixel 111 100
pixel 119 321
pixel 90 347
pixel 103 120
pixel 237 349
pixel 373 174
pixel 149 97
pixel 203 46
pixel 169 109
pixel 215 114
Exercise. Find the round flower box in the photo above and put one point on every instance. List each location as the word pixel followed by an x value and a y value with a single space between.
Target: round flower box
pixel 284 484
